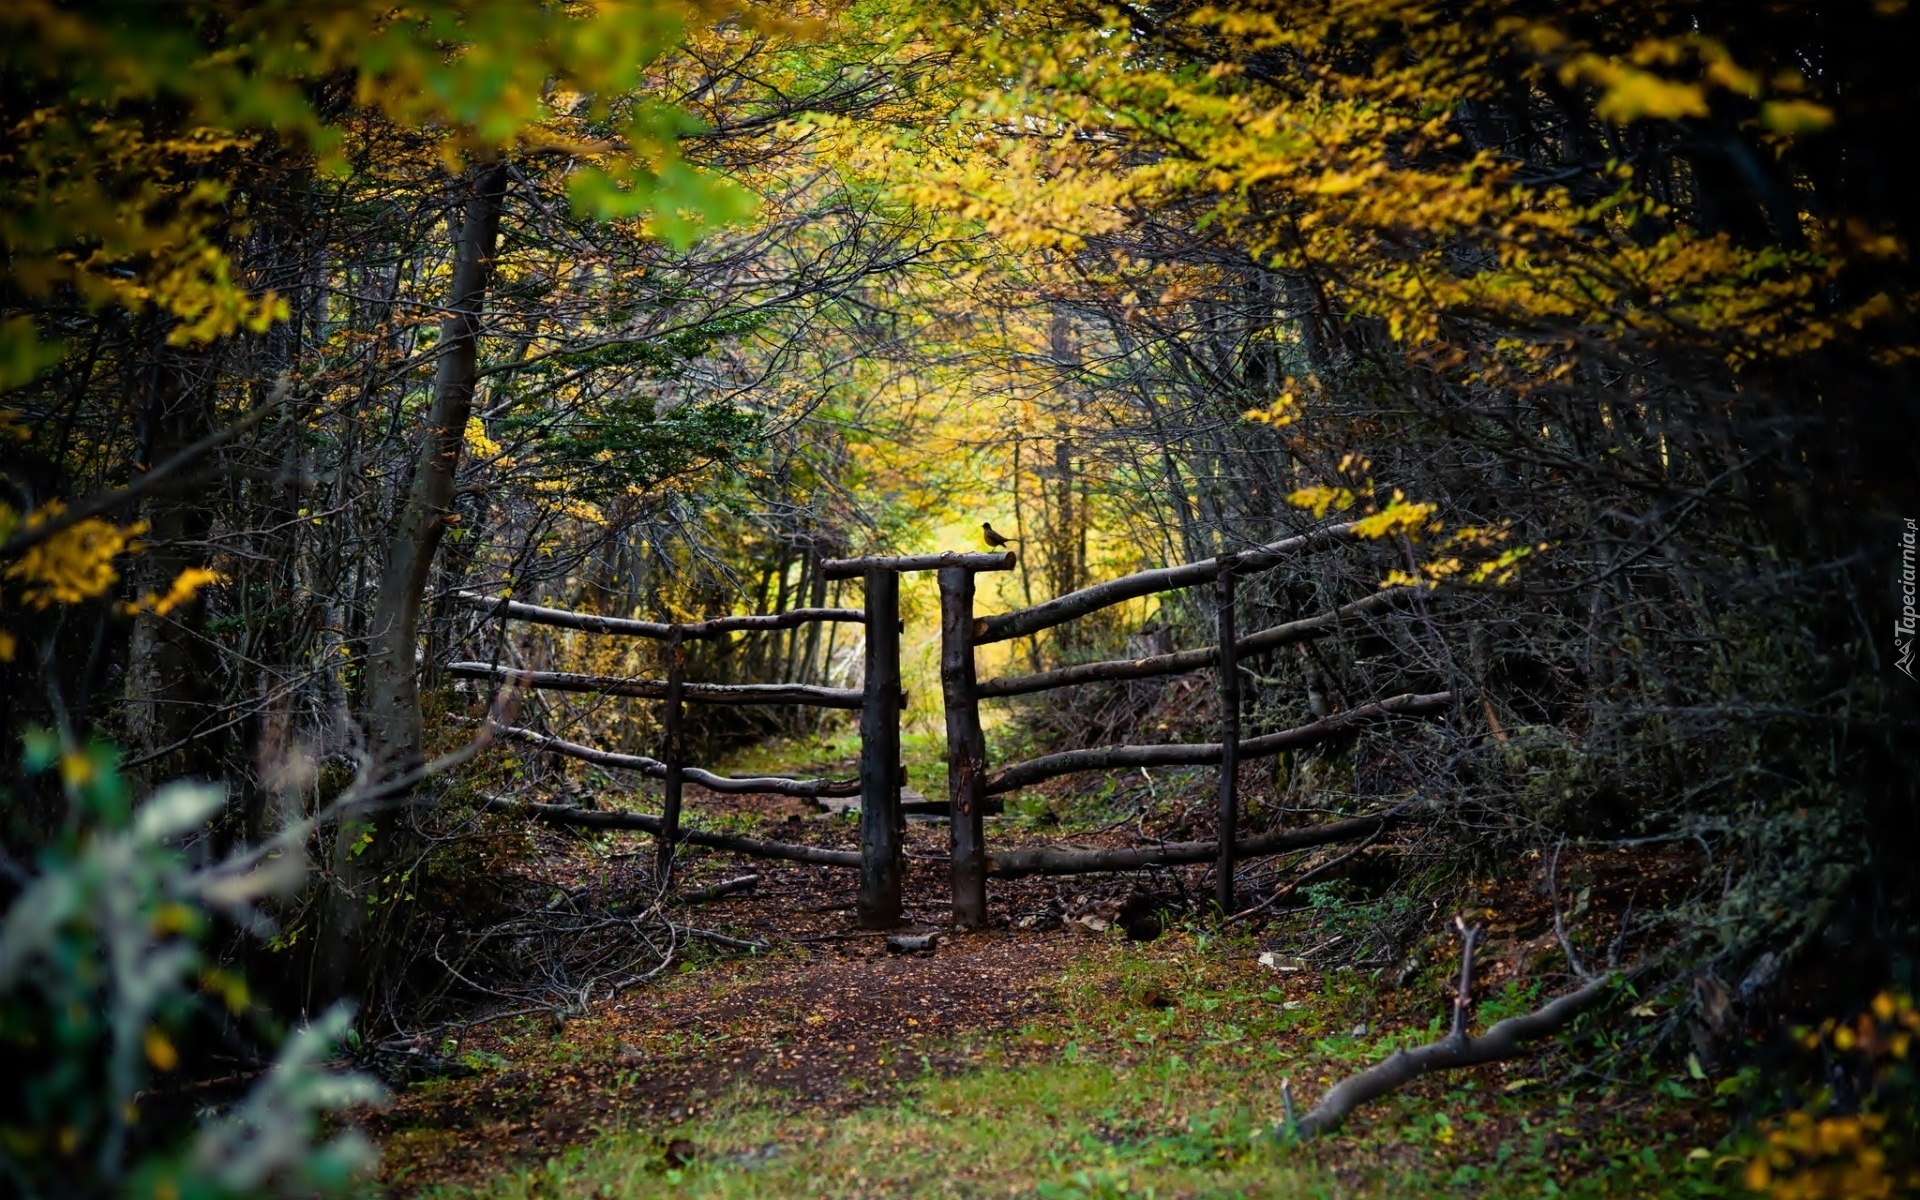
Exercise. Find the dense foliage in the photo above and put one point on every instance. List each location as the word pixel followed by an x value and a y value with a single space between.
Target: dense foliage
pixel 1598 315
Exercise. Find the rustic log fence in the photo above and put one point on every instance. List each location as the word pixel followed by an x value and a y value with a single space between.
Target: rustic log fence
pixel 672 769
pixel 970 782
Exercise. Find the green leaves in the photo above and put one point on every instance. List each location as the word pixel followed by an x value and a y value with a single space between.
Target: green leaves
pixel 101 966
pixel 132 121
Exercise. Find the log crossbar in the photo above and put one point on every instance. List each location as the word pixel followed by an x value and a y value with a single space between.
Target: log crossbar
pixel 1070 860
pixel 1007 864
pixel 846 568
pixel 656 689
pixel 538 614
pixel 1199 754
pixel 1185 662
pixel 881 858
pixel 560 814
pixel 1065 608
pixel 653 768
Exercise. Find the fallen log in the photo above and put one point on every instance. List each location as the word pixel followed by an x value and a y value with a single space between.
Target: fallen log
pixel 653 768
pixel 717 891
pixel 1145 583
pixel 538 614
pixel 1455 1050
pixel 656 689
pixel 1185 661
pixel 1055 860
pixel 582 818
pixel 1048 766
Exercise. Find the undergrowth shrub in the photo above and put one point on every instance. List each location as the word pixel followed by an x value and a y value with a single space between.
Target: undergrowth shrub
pixel 105 977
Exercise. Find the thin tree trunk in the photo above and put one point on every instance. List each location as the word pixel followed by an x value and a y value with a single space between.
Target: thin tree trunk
pixel 356 913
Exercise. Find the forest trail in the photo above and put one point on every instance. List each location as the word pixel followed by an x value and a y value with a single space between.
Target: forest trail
pixel 1048 1046
pixel 828 1020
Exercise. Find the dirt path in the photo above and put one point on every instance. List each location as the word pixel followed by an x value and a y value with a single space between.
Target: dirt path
pixel 829 1021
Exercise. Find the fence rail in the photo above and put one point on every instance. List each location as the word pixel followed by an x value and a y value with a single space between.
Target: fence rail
pixel 537 614
pixel 1186 662
pixel 1062 609
pixel 970 783
pixel 677 692
pixel 881 859
pixel 653 768
pixel 1199 754
pixel 656 689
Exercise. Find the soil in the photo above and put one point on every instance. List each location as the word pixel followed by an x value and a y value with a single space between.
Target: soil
pixel 829 1019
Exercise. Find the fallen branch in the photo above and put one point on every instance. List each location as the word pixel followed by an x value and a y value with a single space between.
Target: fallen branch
pixel 582 818
pixel 1453 1051
pixel 716 891
pixel 721 939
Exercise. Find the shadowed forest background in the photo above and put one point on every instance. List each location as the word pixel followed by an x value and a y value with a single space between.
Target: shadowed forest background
pixel 1596 317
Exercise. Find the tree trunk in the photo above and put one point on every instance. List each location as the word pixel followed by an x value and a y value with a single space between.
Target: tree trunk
pixel 356 912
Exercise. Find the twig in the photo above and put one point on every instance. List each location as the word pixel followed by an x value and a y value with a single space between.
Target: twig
pixel 1470 938
pixel 1287 891
pixel 25 539
pixel 721 939
pixel 1559 928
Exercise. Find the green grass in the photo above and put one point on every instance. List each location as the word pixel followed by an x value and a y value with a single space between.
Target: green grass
pixel 1161 1078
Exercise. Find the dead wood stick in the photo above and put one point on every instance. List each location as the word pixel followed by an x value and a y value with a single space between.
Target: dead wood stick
pixel 1463 994
pixel 721 939
pixel 582 818
pixel 1287 891
pixel 716 891
pixel 1455 1050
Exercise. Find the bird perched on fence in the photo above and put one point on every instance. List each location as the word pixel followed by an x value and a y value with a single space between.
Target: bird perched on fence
pixel 994 537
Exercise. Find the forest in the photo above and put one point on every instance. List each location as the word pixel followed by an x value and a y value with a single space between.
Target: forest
pixel 609 598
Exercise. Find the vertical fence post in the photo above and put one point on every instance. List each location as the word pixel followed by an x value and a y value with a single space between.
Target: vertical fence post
pixel 881 859
pixel 676 754
pixel 1229 688
pixel 966 749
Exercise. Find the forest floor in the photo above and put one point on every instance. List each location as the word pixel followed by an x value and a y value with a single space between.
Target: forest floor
pixel 1048 1056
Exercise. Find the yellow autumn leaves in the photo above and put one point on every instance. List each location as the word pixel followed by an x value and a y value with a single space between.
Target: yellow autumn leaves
pixel 76 563
pixel 72 565
pixel 1843 1155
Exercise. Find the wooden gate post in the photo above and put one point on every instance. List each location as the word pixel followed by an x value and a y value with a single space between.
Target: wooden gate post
pixel 881 859
pixel 1229 688
pixel 966 749
pixel 676 754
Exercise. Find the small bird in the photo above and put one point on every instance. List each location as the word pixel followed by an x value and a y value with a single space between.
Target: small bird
pixel 994 537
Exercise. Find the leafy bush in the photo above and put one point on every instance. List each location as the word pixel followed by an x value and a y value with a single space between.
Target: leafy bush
pixel 102 971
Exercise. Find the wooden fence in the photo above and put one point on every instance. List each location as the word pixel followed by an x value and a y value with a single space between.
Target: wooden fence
pixel 970 781
pixel 882 857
